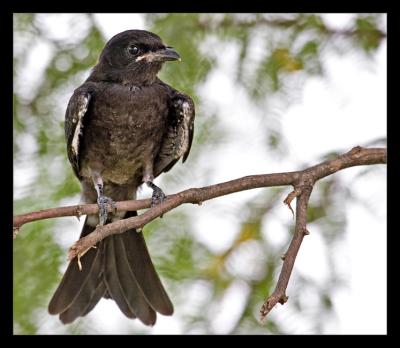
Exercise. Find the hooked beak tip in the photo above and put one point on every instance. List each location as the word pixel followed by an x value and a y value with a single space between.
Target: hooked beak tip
pixel 168 54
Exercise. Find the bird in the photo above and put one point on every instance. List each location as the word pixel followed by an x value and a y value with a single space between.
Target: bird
pixel 123 128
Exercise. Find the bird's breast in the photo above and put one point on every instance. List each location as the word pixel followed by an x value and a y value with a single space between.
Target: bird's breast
pixel 124 131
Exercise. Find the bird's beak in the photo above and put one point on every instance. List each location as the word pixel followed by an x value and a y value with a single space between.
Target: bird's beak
pixel 164 55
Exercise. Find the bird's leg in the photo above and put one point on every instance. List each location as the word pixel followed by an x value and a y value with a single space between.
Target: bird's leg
pixel 102 200
pixel 158 195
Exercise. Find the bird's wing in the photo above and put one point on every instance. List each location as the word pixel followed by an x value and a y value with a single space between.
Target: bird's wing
pixel 76 110
pixel 179 135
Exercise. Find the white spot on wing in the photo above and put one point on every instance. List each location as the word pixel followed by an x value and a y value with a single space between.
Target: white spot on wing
pixel 185 124
pixel 83 106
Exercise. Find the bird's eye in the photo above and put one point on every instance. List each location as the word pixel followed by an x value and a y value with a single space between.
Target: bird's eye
pixel 133 50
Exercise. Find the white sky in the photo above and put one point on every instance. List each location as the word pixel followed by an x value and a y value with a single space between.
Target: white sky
pixel 342 110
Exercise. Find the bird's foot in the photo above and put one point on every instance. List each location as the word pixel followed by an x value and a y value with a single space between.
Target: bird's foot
pixel 102 201
pixel 158 195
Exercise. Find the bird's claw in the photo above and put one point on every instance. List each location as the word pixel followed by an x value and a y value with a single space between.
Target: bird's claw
pixel 157 197
pixel 103 201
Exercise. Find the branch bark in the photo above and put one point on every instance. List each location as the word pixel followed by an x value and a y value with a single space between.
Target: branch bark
pixel 279 294
pixel 302 181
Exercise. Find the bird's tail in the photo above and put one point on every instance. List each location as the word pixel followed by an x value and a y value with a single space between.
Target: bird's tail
pixel 119 268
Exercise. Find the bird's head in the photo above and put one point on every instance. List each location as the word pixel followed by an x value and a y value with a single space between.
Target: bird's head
pixel 133 56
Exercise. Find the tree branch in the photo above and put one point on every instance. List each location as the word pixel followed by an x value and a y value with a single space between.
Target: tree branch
pixel 279 294
pixel 77 210
pixel 303 182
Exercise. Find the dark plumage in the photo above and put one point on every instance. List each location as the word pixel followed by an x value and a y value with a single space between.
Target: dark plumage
pixel 123 127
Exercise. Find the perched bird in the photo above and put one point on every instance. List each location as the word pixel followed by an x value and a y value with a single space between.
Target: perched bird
pixel 123 127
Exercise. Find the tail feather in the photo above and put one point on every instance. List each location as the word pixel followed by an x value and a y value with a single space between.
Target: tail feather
pixel 112 280
pixel 143 269
pixel 81 308
pixel 133 293
pixel 87 297
pixel 120 268
pixel 76 280
pixel 98 293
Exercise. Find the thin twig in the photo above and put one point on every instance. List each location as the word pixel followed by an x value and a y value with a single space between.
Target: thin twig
pixel 292 195
pixel 279 294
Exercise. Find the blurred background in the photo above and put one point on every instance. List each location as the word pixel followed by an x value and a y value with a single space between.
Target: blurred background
pixel 273 93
